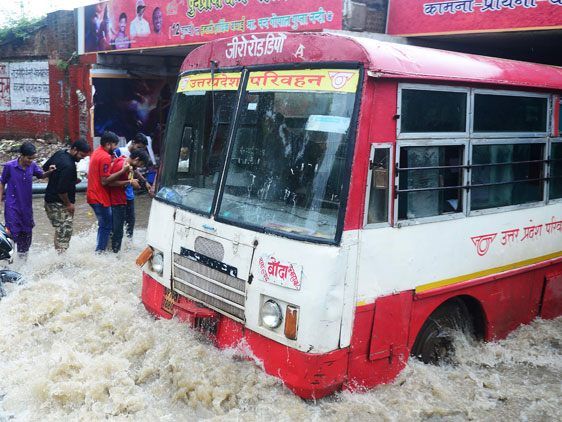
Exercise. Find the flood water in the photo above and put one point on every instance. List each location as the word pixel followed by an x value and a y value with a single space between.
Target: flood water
pixel 77 344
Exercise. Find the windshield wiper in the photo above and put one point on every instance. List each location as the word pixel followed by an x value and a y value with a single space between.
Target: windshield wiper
pixel 215 117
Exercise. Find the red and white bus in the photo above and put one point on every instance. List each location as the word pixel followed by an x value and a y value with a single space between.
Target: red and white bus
pixel 338 204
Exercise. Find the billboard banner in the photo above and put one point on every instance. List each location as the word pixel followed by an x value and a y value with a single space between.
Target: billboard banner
pixel 132 24
pixel 430 17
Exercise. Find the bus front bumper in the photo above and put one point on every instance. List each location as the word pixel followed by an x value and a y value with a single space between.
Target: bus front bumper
pixel 310 376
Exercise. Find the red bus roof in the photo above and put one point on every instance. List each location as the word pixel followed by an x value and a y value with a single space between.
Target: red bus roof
pixel 381 59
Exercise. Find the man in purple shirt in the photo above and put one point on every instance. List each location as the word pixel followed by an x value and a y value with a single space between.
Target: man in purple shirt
pixel 15 187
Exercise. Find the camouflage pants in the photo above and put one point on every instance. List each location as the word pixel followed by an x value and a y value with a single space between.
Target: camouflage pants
pixel 61 220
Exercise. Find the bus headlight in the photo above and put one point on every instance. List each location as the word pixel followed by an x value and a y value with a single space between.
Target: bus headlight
pixel 271 315
pixel 157 263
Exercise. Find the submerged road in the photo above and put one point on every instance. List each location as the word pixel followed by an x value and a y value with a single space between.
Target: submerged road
pixel 77 344
pixel 84 218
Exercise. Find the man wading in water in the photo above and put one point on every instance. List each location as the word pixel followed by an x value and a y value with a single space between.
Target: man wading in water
pixel 97 193
pixel 140 141
pixel 61 191
pixel 16 189
pixel 124 168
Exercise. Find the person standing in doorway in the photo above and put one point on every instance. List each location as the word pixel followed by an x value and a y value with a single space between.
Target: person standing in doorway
pixel 140 141
pixel 99 179
pixel 123 168
pixel 61 191
pixel 16 188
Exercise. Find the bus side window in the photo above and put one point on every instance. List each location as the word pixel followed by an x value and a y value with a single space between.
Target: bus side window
pixel 556 170
pixel 560 119
pixel 378 195
pixel 507 174
pixel 430 181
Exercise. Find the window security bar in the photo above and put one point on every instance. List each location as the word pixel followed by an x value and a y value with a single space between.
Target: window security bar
pixel 470 166
pixel 480 185
pixel 432 168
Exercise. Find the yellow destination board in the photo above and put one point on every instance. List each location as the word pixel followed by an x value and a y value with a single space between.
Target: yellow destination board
pixel 332 80
pixel 204 82
pixel 326 80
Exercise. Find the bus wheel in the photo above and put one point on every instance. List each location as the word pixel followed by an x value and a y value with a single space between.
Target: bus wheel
pixel 434 343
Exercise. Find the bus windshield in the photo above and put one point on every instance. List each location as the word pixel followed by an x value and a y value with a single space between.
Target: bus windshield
pixel 287 162
pixel 195 145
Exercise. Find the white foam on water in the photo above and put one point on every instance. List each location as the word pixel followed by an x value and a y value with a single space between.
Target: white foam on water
pixel 77 344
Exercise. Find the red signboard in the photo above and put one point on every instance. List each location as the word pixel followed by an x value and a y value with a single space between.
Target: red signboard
pixel 125 24
pixel 430 17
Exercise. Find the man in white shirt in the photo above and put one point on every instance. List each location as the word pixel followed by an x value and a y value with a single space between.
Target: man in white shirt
pixel 139 25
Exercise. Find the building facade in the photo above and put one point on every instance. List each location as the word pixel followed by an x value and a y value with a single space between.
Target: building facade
pixel 114 65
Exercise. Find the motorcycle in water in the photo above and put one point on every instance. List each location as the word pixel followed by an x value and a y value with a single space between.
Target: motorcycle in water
pixel 7 247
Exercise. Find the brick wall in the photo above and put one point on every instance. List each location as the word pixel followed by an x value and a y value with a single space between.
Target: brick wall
pixel 54 40
pixel 53 37
pixel 366 16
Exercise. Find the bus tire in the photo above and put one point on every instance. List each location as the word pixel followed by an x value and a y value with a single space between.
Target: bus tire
pixel 434 342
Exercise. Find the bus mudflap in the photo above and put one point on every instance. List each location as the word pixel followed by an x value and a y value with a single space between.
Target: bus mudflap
pixel 391 322
pixel 379 346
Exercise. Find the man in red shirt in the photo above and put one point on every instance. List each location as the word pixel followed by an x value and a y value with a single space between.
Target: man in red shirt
pixel 124 168
pixel 99 179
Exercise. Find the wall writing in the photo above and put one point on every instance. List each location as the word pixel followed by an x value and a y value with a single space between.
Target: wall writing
pixel 24 86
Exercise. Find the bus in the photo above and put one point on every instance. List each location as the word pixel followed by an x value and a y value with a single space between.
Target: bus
pixel 334 205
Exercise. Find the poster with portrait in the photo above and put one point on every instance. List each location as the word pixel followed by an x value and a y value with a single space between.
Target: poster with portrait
pixel 131 24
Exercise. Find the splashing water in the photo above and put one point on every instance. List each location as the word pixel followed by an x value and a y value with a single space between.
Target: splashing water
pixel 77 344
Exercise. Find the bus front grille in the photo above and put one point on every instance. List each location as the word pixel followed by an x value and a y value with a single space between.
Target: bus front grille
pixel 217 290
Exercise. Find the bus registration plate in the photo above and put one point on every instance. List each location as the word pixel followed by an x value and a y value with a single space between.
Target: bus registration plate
pixel 281 273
